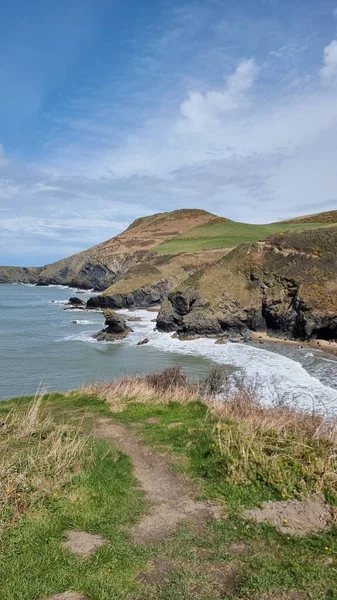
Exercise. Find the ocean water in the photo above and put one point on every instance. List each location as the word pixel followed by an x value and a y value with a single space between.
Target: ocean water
pixel 42 344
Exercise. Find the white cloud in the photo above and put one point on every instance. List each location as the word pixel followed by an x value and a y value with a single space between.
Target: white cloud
pixel 329 69
pixel 258 146
pixel 200 110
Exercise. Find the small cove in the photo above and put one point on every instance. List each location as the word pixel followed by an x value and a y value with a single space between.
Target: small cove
pixel 43 344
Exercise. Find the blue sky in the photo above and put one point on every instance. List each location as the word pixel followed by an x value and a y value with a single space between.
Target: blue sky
pixel 111 110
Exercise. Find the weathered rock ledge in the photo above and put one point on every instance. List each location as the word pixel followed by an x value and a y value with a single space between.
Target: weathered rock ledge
pixel 288 318
pixel 140 298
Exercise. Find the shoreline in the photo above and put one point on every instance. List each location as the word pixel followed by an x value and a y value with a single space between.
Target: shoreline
pixel 324 345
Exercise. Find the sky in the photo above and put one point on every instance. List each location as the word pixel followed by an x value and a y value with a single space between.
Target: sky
pixel 111 110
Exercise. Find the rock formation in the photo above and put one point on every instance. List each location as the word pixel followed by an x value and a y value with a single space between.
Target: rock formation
pixel 116 328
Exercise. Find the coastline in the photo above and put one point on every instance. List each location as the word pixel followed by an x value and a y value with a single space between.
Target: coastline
pixel 324 345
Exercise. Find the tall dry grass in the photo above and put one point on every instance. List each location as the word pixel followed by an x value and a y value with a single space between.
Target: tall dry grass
pixel 157 388
pixel 288 449
pixel 280 446
pixel 38 457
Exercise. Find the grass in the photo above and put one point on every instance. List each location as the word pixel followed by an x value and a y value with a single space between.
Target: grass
pixel 204 441
pixel 226 235
pixel 38 458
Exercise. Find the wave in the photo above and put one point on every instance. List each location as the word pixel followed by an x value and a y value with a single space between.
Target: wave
pixel 280 377
pixel 83 322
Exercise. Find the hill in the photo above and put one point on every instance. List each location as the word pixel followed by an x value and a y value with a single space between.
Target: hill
pixel 229 234
pixel 140 266
pixel 286 284
pixel 99 266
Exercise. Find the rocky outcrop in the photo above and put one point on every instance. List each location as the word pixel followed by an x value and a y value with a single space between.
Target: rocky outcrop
pixel 194 317
pixel 143 297
pixel 74 301
pixel 116 328
pixel 19 275
pixel 286 286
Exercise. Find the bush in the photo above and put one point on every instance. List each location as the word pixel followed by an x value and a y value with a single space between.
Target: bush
pixel 215 381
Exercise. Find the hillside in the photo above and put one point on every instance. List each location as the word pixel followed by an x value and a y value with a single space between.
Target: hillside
pixel 100 266
pixel 286 284
pixel 229 234
pixel 140 266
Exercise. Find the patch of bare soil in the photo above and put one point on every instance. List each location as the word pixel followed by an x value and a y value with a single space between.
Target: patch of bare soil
pixel 295 518
pixel 83 544
pixel 68 596
pixel 158 573
pixel 221 578
pixel 171 495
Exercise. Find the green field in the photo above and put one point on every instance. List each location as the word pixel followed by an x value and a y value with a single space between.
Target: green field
pixel 227 234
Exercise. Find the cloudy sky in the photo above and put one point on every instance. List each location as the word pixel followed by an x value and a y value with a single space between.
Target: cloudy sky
pixel 115 109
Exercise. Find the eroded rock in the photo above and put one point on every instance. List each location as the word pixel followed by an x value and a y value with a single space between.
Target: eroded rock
pixel 116 328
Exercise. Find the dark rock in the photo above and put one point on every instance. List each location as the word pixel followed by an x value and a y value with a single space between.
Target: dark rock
pixel 192 316
pixel 115 323
pixel 105 336
pixel 116 328
pixel 144 341
pixel 76 301
pixel 140 298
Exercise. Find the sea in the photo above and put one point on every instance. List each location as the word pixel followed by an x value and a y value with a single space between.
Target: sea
pixel 45 346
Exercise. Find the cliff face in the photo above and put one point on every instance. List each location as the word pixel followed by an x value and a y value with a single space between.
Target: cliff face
pixel 286 285
pixel 104 264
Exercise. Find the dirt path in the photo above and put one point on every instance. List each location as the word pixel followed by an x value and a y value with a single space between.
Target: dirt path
pixel 171 495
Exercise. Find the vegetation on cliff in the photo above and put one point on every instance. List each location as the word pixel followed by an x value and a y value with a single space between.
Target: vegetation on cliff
pixel 285 284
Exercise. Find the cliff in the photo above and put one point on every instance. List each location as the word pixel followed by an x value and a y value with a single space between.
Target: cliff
pixel 286 285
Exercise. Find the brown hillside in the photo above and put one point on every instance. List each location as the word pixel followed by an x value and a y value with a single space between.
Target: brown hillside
pixel 325 217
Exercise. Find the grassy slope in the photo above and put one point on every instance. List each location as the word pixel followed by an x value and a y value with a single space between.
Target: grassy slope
pixel 104 498
pixel 228 235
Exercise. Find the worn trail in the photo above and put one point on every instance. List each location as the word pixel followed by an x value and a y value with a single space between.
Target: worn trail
pixel 171 496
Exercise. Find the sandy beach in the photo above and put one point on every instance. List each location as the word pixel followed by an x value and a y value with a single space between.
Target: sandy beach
pixel 324 345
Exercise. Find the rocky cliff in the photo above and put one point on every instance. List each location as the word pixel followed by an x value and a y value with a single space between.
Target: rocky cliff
pixel 285 285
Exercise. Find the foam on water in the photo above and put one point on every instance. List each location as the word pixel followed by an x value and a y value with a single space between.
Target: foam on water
pixel 277 374
pixel 83 322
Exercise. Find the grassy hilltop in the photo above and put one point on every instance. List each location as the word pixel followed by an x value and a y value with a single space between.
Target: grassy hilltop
pixel 167 480
pixel 229 234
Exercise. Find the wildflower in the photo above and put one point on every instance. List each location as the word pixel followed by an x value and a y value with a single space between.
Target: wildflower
pixel 288 538
pixel 285 521
pixel 326 548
